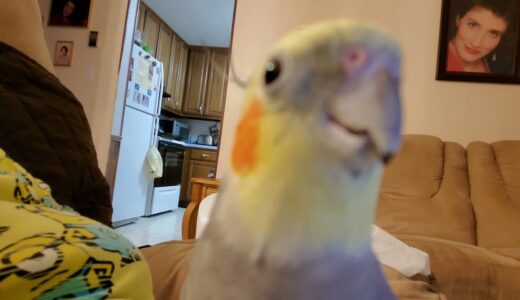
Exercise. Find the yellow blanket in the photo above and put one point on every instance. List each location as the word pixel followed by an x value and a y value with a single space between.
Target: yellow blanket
pixel 48 251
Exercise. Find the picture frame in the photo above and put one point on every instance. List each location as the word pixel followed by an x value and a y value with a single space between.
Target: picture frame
pixel 63 53
pixel 479 41
pixel 92 39
pixel 70 13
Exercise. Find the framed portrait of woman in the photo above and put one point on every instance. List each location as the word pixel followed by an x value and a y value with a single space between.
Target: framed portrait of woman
pixel 63 53
pixel 74 13
pixel 479 41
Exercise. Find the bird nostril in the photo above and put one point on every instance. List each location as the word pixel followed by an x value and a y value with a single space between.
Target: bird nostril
pixel 387 157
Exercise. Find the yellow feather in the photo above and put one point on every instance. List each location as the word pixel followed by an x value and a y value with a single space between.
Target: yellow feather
pixel 299 192
pixel 300 195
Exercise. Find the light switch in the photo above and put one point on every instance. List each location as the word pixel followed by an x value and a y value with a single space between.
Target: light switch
pixel 90 74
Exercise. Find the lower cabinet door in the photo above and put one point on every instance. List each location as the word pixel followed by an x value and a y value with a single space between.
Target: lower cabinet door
pixel 198 169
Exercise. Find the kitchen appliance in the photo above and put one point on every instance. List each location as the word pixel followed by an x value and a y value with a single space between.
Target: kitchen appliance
pixel 214 132
pixel 133 189
pixel 180 130
pixel 173 129
pixel 167 188
pixel 205 139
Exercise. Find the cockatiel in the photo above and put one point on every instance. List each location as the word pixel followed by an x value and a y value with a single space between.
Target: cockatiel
pixel 293 219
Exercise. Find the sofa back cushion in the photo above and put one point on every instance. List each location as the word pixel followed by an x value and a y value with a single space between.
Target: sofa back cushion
pixel 425 191
pixel 494 173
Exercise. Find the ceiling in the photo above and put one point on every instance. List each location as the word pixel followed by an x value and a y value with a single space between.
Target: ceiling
pixel 198 22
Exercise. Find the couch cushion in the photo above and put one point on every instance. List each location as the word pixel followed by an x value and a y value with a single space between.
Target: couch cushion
pixel 509 252
pixel 425 191
pixel 494 172
pixel 44 128
pixel 170 262
pixel 469 272
pixel 415 288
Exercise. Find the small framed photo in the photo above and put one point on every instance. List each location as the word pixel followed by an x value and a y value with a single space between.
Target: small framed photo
pixel 92 39
pixel 73 13
pixel 479 41
pixel 63 53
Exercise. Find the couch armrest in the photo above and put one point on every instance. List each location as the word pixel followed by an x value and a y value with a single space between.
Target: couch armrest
pixel 200 189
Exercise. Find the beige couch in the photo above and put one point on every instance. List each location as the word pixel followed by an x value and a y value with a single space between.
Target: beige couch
pixel 460 205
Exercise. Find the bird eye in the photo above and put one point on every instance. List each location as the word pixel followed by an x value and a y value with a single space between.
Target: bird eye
pixel 272 71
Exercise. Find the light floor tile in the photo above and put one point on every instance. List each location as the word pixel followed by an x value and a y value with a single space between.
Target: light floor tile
pixel 155 229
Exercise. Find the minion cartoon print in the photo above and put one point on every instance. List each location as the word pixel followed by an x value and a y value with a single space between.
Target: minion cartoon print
pixel 49 251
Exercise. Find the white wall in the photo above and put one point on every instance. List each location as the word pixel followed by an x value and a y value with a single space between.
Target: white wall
pixel 461 112
pixel 93 74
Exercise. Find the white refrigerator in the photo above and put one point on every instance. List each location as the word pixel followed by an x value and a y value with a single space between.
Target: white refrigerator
pixel 133 188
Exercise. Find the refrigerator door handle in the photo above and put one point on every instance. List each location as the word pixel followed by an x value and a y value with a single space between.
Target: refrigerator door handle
pixel 155 136
pixel 161 89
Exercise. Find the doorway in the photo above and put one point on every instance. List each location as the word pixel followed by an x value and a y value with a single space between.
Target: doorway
pixel 192 40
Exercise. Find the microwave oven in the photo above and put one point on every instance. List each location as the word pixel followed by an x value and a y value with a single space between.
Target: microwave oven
pixel 180 130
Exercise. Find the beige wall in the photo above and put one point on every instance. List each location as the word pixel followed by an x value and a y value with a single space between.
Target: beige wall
pixel 21 27
pixel 93 74
pixel 460 112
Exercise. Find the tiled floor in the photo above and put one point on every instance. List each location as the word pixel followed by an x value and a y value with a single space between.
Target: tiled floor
pixel 156 229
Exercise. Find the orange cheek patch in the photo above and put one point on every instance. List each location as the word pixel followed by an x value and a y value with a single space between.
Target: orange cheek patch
pixel 245 150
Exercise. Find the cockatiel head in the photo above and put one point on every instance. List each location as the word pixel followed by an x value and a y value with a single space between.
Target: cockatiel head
pixel 292 220
pixel 322 117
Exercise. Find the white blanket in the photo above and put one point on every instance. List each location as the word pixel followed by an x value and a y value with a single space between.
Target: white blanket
pixel 392 252
pixel 388 249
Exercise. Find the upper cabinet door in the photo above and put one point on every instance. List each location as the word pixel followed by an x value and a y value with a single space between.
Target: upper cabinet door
pixel 142 14
pixel 195 77
pixel 179 56
pixel 164 45
pixel 151 31
pixel 195 82
pixel 217 83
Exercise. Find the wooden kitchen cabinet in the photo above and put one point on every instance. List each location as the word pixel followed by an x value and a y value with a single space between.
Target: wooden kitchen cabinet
pixel 216 86
pixel 171 50
pixel 206 82
pixel 200 164
pixel 195 77
pixel 177 77
pixel 194 93
pixel 164 48
pixel 151 28
pixel 203 155
pixel 140 17
pixel 200 169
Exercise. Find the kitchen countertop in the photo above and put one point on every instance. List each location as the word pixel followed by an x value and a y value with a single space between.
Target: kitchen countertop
pixel 200 146
pixel 188 145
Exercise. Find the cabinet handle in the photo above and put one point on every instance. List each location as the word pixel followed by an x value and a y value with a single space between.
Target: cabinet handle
pixel 204 155
pixel 200 109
